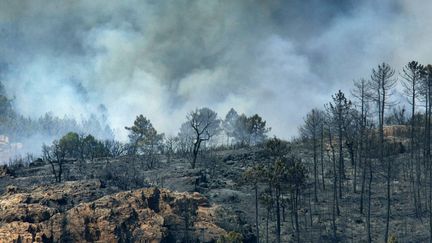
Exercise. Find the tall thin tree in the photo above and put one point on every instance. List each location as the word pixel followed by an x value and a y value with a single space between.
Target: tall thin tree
pixel 362 94
pixel 339 110
pixel 413 74
pixel 382 82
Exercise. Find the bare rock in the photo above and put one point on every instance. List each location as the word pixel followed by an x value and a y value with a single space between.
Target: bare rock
pixel 75 212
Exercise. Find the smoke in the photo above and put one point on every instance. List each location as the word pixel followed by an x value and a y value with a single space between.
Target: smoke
pixel 165 58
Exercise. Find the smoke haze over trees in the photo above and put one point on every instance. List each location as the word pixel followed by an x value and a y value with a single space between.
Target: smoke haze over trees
pixel 300 121
pixel 30 133
pixel 170 58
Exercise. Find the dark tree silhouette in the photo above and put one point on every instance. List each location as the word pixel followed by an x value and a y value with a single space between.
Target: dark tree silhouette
pixel 339 110
pixel 382 83
pixel 205 125
pixel 412 76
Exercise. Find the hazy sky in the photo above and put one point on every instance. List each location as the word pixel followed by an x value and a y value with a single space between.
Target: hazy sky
pixel 165 58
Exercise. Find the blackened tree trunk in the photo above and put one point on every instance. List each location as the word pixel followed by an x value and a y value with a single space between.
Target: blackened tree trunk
pixel 341 157
pixel 335 206
pixel 195 151
pixel 339 110
pixel 350 146
pixel 315 159
pixel 278 219
pixel 256 213
pixel 413 74
pixel 322 156
pixel 428 140
pixel 368 220
pixel 383 82
pixel 362 93
pixel 296 195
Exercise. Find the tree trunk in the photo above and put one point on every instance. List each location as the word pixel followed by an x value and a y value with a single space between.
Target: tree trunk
pixel 430 200
pixel 363 182
pixel 354 164
pixel 335 174
pixel 60 171
pixel 381 158
pixel 278 220
pixel 341 158
pixel 322 156
pixel 314 137
pixel 54 170
pixel 335 207
pixel 195 151
pixel 361 157
pixel 388 200
pixel 296 215
pixel 428 155
pixel 414 182
pixel 310 211
pixel 256 213
pixel 368 223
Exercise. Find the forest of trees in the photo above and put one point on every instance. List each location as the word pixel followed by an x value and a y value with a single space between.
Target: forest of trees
pixel 371 131
pixel 344 148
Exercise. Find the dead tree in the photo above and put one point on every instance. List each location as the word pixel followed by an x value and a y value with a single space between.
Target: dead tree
pixel 413 74
pixel 362 94
pixel 335 204
pixel 205 124
pixel 427 154
pixel 370 138
pixel 252 177
pixel 339 109
pixel 322 154
pixel 55 155
pixel 382 82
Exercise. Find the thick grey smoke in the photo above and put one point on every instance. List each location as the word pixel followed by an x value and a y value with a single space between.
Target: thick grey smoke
pixel 165 58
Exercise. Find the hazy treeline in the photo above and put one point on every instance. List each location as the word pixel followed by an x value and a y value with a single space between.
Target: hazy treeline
pixel 19 128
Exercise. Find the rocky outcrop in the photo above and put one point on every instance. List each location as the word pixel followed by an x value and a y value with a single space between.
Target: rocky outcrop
pixel 78 212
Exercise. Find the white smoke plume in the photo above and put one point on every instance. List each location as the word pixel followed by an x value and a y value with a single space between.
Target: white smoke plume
pixel 165 58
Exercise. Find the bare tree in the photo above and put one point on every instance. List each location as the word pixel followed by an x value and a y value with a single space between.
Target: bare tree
pixel 362 94
pixel 413 74
pixel 332 156
pixel 351 128
pixel 370 138
pixel 322 145
pixel 427 90
pixel 205 125
pixel 55 155
pixel 339 110
pixel 252 176
pixel 382 82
